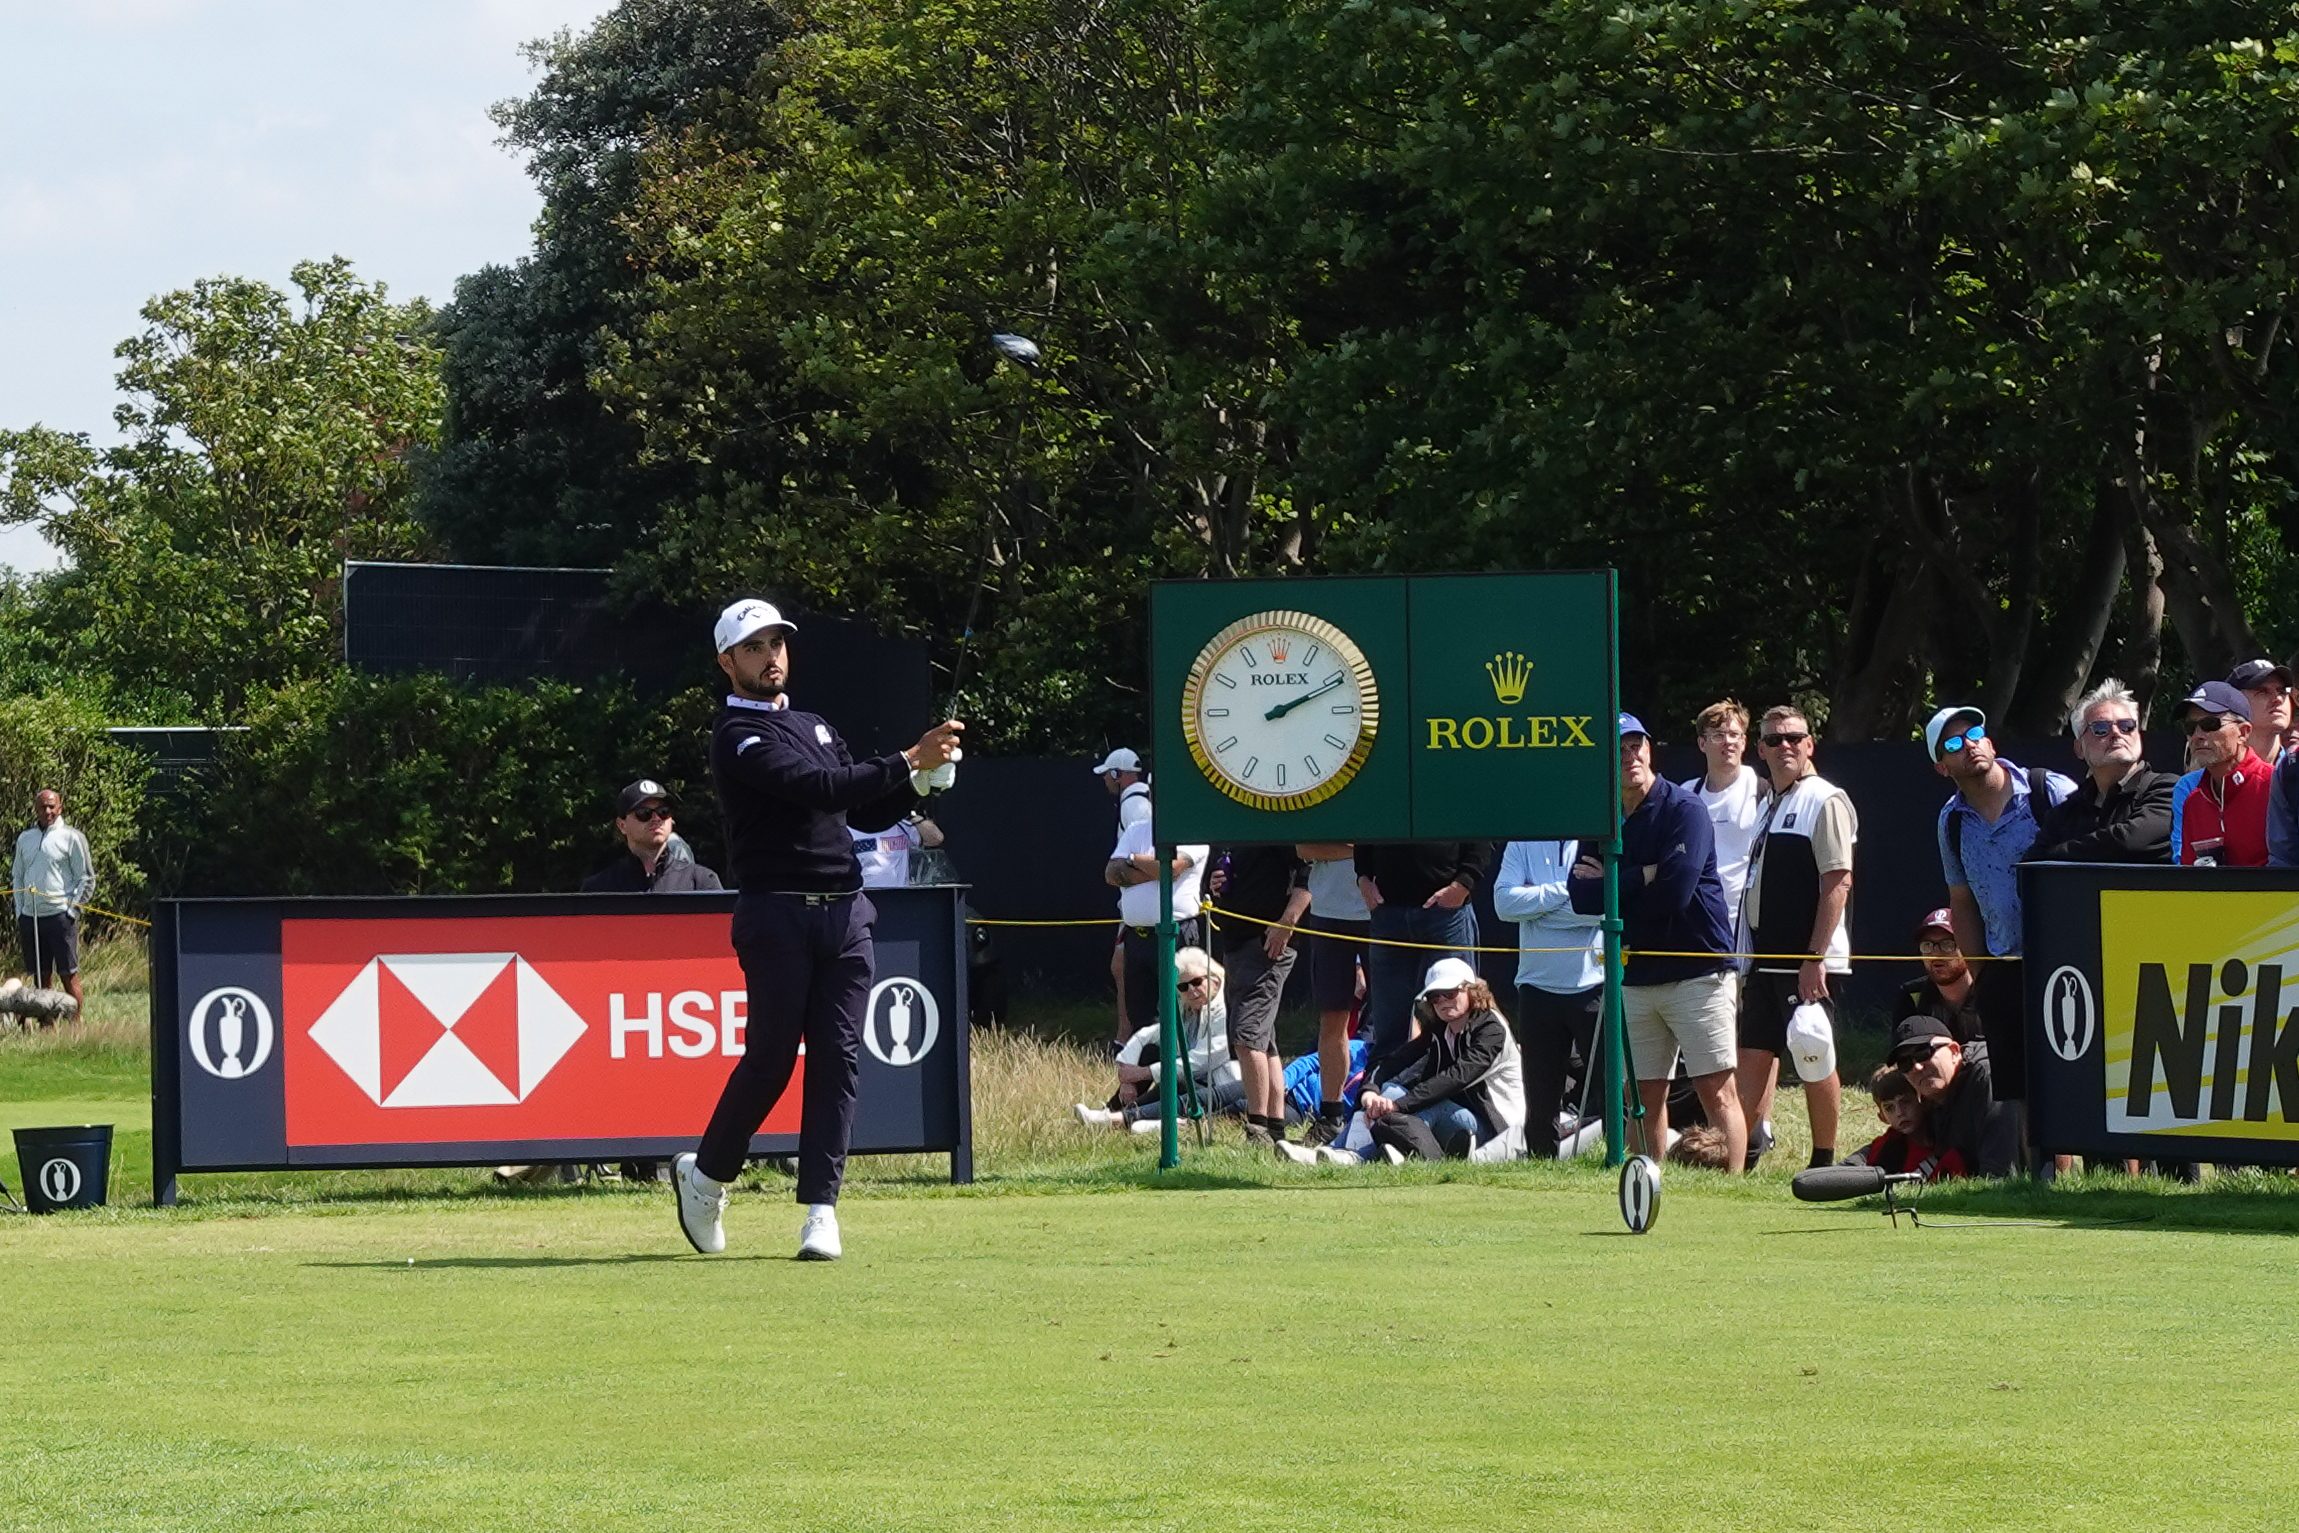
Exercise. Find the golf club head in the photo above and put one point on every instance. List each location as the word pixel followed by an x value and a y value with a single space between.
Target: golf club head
pixel 1833 1184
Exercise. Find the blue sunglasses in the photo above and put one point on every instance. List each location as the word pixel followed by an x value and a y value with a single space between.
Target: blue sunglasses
pixel 1971 736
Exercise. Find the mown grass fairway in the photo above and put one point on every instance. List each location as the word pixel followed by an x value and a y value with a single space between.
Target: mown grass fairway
pixel 1075 1344
pixel 1475 1355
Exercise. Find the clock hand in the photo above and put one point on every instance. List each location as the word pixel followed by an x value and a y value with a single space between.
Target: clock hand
pixel 1282 709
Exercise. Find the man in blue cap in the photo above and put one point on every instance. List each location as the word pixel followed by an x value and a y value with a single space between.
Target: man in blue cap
pixel 1678 995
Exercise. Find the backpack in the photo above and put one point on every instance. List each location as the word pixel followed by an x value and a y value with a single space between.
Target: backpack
pixel 2039 786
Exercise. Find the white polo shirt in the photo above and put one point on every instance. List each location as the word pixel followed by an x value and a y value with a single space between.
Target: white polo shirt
pixel 1138 903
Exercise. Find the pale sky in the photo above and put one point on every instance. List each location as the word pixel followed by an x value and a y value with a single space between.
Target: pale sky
pixel 147 143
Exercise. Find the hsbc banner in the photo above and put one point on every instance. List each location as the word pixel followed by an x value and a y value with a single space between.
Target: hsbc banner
pixel 469 1031
pixel 2163 1011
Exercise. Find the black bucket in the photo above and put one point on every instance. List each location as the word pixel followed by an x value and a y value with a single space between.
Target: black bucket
pixel 65 1167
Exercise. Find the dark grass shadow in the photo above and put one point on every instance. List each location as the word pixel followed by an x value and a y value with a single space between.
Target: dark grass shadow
pixel 626 1259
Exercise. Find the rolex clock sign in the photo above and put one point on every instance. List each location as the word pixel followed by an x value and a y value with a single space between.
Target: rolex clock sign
pixel 1438 707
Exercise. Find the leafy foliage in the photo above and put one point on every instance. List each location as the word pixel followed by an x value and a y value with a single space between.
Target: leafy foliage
pixel 355 784
pixel 268 441
pixel 57 740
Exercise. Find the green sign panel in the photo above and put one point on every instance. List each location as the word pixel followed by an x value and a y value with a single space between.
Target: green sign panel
pixel 1437 707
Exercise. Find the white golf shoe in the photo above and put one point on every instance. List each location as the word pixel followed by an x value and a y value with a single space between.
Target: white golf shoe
pixel 818 1242
pixel 701 1201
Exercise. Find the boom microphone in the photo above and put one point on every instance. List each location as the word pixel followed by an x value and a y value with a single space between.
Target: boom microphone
pixel 1833 1184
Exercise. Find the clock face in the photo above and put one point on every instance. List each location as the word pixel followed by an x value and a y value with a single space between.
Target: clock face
pixel 1280 710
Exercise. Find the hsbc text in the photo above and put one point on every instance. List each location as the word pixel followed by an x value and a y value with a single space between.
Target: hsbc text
pixel 698 1024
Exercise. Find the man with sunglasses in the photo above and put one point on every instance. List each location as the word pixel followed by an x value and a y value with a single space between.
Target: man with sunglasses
pixel 2121 811
pixel 2219 810
pixel 1963 1111
pixel 1798 902
pixel 1984 831
pixel 643 820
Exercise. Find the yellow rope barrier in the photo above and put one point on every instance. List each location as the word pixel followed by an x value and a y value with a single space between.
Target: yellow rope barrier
pixel 1448 947
pixel 94 909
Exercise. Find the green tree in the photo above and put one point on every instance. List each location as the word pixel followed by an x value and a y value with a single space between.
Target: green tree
pixel 267 440
pixel 813 346
pixel 531 469
pixel 1888 352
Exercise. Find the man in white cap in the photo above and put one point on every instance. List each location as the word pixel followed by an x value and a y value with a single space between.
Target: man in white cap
pixel 1121 772
pixel 788 792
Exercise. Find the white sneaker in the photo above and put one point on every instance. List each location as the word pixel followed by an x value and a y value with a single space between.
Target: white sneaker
pixel 818 1242
pixel 699 1206
pixel 1148 1125
pixel 1393 1155
pixel 1334 1155
pixel 1097 1117
pixel 1299 1154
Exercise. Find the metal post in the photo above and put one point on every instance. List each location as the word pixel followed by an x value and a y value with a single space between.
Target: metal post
pixel 1615 1024
pixel 1171 1063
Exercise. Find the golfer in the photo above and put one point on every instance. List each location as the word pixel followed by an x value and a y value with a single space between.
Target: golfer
pixel 787 791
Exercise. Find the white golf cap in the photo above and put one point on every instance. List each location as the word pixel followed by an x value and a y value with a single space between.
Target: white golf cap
pixel 745 618
pixel 1119 760
pixel 1939 722
pixel 1812 1042
pixel 1447 974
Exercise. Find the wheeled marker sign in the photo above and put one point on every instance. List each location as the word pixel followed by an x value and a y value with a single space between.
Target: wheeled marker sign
pixel 520 1028
pixel 2163 1012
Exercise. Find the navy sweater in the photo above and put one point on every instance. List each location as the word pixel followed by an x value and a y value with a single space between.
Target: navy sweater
pixel 788 790
pixel 1682 909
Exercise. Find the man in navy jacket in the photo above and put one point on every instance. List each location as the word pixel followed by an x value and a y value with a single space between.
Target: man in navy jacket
pixel 788 791
pixel 1680 994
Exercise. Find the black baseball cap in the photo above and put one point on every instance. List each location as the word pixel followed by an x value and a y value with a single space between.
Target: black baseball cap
pixel 2253 673
pixel 1918 1035
pixel 638 793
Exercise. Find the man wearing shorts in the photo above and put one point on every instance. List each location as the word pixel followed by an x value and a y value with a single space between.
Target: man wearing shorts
pixel 1799 924
pixel 54 877
pixel 1679 992
pixel 1261 896
pixel 1339 924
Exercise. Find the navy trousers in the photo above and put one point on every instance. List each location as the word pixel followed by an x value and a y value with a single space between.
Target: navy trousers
pixel 808 967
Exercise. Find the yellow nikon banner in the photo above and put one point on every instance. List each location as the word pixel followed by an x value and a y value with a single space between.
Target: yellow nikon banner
pixel 2163 1011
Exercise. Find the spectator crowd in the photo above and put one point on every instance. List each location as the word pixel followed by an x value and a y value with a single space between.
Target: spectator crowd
pixel 1736 893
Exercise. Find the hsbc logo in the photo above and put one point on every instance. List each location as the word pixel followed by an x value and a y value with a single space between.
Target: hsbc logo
pixel 447 1029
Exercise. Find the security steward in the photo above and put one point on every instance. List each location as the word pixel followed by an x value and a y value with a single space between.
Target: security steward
pixel 788 792
pixel 643 820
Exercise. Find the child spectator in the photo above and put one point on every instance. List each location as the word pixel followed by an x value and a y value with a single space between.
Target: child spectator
pixel 1902 1146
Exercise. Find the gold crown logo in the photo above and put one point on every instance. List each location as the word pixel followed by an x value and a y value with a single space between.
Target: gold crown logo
pixel 1510 671
pixel 1277 650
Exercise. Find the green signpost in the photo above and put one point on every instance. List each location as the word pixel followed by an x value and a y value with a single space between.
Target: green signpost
pixel 1390 708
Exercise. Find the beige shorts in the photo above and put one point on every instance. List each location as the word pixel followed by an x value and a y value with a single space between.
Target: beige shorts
pixel 1696 1016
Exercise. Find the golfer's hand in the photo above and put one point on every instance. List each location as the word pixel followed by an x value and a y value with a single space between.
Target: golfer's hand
pixel 1275 941
pixel 1812 981
pixel 936 747
pixel 1451 897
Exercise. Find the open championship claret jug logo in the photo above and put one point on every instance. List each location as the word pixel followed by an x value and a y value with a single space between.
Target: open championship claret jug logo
pixel 230 1032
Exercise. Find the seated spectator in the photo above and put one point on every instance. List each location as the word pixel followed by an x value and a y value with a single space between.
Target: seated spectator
pixel 1205 1043
pixel 1903 1146
pixel 1945 988
pixel 1456 1087
pixel 2219 810
pixel 1700 1144
pixel 1960 1111
pixel 643 821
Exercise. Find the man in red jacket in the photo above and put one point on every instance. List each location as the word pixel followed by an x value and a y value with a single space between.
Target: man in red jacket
pixel 2219 811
